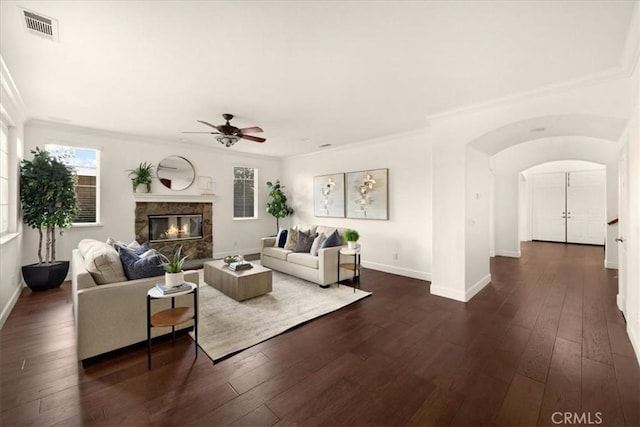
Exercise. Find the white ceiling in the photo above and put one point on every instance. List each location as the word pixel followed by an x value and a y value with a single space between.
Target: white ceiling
pixel 308 72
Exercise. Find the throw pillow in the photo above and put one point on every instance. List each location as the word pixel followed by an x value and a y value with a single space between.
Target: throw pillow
pixel 142 249
pixel 292 237
pixel 140 268
pixel 304 242
pixel 333 240
pixel 317 242
pixel 281 238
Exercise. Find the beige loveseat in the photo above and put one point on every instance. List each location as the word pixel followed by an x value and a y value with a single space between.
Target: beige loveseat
pixel 321 269
pixel 112 315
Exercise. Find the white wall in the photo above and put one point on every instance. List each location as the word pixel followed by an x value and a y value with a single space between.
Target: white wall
pixel 12 113
pixel 407 233
pixel 510 162
pixel 122 152
pixel 450 134
pixel 629 291
pixel 477 273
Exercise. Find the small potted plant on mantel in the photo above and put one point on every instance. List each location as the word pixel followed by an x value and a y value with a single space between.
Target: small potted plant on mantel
pixel 141 177
pixel 351 236
pixel 174 274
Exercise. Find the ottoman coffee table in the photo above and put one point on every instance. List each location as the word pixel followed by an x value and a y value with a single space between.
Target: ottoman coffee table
pixel 239 285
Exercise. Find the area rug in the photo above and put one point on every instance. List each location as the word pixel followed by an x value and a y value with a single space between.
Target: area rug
pixel 227 326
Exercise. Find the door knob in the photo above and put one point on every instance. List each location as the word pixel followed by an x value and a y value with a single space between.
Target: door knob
pixel 619 239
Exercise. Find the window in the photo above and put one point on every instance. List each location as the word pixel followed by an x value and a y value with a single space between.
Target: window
pixel 4 179
pixel 245 197
pixel 86 163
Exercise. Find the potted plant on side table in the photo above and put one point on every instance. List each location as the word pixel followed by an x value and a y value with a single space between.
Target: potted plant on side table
pixel 49 201
pixel 351 236
pixel 174 274
pixel 141 177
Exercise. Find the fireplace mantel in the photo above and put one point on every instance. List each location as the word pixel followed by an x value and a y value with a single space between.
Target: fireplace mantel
pixel 173 198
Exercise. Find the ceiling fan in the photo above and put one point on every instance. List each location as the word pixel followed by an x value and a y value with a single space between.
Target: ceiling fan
pixel 229 134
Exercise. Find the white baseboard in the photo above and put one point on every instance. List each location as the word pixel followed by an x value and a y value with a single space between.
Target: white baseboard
pixel 6 310
pixel 400 271
pixel 610 265
pixel 634 337
pixel 477 287
pixel 445 292
pixel 492 253
pixel 511 254
pixel 621 302
pixel 457 295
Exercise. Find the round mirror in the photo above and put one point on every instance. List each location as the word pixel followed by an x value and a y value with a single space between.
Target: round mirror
pixel 176 173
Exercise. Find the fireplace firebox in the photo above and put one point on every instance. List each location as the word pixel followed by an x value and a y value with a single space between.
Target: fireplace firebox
pixel 163 228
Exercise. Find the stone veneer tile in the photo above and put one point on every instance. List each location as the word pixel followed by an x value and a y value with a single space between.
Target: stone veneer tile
pixel 195 249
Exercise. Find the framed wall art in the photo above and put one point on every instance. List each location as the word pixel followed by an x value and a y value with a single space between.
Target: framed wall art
pixel 328 195
pixel 368 194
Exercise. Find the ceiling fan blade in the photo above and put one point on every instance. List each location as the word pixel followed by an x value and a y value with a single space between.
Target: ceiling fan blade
pixel 253 138
pixel 252 129
pixel 209 124
pixel 212 133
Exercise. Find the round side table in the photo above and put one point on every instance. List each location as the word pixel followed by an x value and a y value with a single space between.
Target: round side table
pixel 173 316
pixel 351 266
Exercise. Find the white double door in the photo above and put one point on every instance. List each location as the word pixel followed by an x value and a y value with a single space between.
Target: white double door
pixel 569 207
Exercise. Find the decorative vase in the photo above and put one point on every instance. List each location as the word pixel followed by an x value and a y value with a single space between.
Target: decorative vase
pixel 352 245
pixel 171 280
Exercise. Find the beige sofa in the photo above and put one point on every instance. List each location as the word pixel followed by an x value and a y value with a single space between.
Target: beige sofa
pixel 112 315
pixel 321 269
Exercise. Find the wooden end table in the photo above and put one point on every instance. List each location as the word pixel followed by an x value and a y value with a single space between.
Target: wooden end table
pixel 173 316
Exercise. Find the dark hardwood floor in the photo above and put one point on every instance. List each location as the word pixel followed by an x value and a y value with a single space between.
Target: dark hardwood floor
pixel 545 337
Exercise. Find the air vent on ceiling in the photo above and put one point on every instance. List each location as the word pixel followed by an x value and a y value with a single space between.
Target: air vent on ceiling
pixel 40 25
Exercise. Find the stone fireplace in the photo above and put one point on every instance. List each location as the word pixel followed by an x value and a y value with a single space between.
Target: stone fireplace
pixel 167 225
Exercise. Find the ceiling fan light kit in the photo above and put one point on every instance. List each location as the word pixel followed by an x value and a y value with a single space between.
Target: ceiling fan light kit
pixel 226 140
pixel 228 134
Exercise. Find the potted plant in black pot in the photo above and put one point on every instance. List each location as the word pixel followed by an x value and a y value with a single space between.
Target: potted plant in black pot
pixel 49 201
pixel 278 205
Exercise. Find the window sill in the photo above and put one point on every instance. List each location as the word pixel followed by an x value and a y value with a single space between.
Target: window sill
pixel 8 237
pixel 87 225
pixel 246 219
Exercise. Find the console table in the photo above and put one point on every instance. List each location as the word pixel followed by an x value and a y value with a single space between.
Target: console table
pixel 172 316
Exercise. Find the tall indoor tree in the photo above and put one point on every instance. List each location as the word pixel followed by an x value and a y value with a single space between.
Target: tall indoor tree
pixel 49 202
pixel 278 205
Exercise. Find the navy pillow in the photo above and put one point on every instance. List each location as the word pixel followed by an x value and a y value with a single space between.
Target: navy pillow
pixel 140 268
pixel 142 249
pixel 333 240
pixel 282 238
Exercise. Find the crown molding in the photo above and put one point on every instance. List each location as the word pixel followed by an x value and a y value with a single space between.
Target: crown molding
pixel 631 51
pixel 611 74
pixel 101 133
pixel 10 90
pixel 421 132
